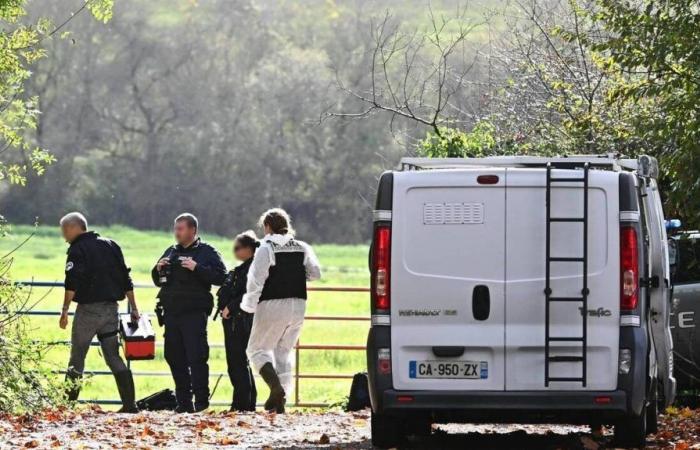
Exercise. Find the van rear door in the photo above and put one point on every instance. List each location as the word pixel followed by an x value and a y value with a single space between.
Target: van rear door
pixel 660 289
pixel 525 279
pixel 447 281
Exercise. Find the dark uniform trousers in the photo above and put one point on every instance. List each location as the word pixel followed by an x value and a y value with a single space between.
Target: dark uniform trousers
pixel 236 336
pixel 187 354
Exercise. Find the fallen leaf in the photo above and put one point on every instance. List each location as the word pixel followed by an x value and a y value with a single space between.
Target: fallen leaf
pixel 31 444
pixel 324 439
pixel 681 445
pixel 147 431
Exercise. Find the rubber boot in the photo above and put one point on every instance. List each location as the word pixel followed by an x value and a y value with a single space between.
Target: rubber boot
pixel 277 397
pixel 125 385
pixel 73 382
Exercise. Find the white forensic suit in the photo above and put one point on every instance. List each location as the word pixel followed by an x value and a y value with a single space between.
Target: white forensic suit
pixel 276 293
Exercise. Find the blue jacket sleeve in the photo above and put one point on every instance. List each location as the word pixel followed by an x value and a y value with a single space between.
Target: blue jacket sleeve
pixel 211 268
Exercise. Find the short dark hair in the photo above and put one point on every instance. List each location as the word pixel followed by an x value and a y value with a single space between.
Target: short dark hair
pixel 189 218
pixel 247 239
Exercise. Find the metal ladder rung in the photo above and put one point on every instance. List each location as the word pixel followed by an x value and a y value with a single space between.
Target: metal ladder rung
pixel 566 379
pixel 565 339
pixel 566 359
pixel 565 299
pixel 566 180
pixel 566 259
pixel 566 219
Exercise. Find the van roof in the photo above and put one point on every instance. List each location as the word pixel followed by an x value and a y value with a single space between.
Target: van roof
pixel 647 164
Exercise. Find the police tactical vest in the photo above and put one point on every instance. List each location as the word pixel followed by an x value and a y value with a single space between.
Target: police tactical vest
pixel 287 278
pixel 185 292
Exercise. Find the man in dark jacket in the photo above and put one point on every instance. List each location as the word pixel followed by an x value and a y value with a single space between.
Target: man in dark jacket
pixel 185 274
pixel 96 278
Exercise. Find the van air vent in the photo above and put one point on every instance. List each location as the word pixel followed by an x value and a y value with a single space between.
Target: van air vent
pixel 453 213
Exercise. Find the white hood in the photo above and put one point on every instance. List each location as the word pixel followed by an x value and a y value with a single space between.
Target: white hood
pixel 279 239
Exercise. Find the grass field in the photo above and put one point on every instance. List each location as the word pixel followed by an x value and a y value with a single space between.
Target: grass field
pixel 42 258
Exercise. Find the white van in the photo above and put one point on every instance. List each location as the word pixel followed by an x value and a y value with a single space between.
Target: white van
pixel 519 289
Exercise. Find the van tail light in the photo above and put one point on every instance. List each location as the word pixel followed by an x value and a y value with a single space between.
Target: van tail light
pixel 381 267
pixel 384 361
pixel 629 268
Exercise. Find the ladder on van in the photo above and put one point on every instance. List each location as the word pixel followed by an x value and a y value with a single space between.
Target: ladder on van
pixel 583 298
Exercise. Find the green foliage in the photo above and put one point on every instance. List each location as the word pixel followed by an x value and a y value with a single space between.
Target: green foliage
pixel 20 48
pixel 455 143
pixel 25 381
pixel 655 45
pixel 101 9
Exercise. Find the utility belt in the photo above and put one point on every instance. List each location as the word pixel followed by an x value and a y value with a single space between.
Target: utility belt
pixel 185 301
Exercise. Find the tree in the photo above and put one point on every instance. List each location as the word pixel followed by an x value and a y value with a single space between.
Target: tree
pixel 653 46
pixel 24 384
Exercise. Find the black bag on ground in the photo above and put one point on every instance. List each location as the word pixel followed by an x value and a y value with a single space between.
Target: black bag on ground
pixel 160 401
pixel 359 393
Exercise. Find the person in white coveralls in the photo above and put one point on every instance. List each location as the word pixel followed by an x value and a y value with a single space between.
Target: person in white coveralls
pixel 276 293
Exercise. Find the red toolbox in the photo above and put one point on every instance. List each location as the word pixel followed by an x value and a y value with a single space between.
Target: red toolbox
pixel 138 339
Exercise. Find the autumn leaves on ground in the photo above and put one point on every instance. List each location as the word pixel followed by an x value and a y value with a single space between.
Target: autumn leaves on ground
pixel 93 428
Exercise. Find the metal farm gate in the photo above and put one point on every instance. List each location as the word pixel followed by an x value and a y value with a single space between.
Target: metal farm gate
pixel 298 374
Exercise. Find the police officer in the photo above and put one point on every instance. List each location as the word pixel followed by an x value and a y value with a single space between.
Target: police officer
pixel 238 324
pixel 96 278
pixel 185 274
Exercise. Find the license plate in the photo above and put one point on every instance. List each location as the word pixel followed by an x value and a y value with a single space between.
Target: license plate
pixel 449 369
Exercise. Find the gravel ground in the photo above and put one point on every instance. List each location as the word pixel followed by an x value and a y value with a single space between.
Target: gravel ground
pixel 94 429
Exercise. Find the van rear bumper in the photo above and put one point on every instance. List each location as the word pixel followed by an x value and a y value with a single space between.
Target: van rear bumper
pixel 527 406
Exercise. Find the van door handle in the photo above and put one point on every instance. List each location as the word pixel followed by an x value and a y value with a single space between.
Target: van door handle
pixel 481 302
pixel 448 351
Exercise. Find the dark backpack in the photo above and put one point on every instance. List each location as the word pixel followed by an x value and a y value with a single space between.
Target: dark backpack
pixel 359 393
pixel 160 401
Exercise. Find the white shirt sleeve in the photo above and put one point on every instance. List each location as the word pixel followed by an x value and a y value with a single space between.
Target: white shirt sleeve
pixel 257 275
pixel 311 263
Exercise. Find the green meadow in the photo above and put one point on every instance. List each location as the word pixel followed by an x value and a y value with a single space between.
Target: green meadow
pixel 42 258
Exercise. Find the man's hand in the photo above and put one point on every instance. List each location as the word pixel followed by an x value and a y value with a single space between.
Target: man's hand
pixel 63 321
pixel 189 263
pixel 225 313
pixel 135 316
pixel 162 262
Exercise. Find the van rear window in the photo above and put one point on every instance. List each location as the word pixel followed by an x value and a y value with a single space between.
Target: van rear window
pixel 687 268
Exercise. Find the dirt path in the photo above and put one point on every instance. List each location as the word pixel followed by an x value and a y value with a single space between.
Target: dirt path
pixel 95 429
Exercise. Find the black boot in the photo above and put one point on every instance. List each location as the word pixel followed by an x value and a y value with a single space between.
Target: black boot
pixel 277 397
pixel 184 408
pixel 125 384
pixel 73 382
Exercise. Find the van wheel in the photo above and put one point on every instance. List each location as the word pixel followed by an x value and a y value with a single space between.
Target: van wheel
pixel 386 431
pixel 653 410
pixel 632 431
